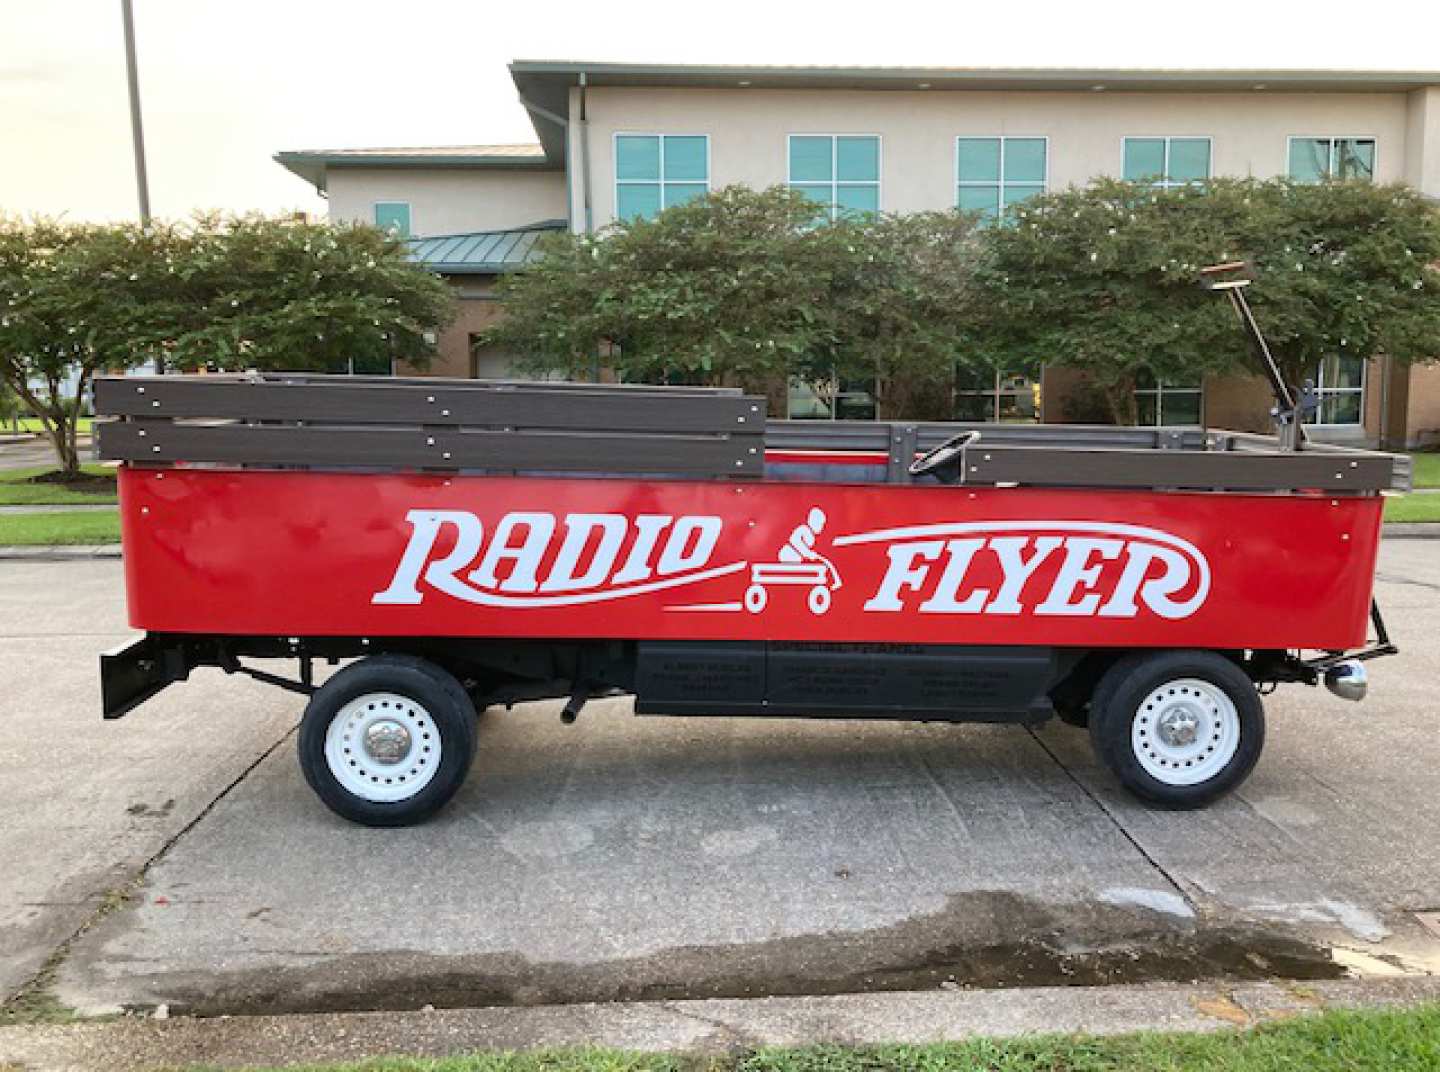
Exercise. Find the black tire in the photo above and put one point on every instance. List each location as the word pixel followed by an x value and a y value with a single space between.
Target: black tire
pixel 435 691
pixel 1118 702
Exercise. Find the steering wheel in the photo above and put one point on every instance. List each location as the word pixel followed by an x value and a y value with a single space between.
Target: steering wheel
pixel 950 450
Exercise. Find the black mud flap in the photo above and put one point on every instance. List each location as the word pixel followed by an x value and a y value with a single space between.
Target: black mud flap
pixel 134 672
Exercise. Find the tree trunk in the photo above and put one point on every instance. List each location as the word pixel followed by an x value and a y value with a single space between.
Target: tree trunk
pixel 58 423
pixel 67 450
pixel 1120 395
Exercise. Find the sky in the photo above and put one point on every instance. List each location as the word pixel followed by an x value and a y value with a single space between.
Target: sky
pixel 225 84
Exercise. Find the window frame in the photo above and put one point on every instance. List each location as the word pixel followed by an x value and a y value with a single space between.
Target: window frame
pixel 994 393
pixel 1321 391
pixel 835 182
pixel 1374 141
pixel 409 214
pixel 999 182
pixel 1168 183
pixel 617 181
pixel 1160 390
pixel 792 381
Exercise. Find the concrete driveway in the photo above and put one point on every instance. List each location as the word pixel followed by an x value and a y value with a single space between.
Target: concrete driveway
pixel 629 857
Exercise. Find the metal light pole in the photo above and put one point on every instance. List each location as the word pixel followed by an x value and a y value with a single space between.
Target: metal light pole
pixel 137 132
pixel 137 136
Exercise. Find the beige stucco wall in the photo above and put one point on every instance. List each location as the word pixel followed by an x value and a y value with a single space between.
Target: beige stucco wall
pixel 1422 140
pixel 449 200
pixel 748 130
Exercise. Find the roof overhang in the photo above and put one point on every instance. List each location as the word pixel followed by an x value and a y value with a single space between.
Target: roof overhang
pixel 313 166
pixel 547 82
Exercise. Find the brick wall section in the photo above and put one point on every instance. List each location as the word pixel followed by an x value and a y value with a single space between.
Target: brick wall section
pixel 475 312
pixel 1238 403
pixel 1066 398
pixel 1422 419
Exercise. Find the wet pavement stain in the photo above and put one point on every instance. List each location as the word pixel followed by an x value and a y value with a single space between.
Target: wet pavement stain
pixel 979 940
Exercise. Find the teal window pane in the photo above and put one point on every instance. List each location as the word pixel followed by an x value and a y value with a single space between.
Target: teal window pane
pixel 858 199
pixel 1147 409
pixel 979 159
pixel 685 160
pixel 1025 160
pixel 637 199
pixel 1309 159
pixel 1189 159
pixel 637 156
pixel 857 159
pixel 811 159
pixel 677 193
pixel 1017 193
pixel 819 194
pixel 1144 158
pixel 1355 159
pixel 393 216
pixel 984 199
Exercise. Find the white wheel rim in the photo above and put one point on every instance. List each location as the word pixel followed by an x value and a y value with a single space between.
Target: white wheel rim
pixel 1185 732
pixel 383 747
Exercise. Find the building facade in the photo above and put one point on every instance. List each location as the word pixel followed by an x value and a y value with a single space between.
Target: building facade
pixel 618 140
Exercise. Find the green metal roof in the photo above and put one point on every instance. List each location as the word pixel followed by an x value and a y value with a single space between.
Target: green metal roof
pixel 481 252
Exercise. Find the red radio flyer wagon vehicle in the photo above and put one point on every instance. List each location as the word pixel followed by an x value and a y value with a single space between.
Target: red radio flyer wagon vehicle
pixel 471 543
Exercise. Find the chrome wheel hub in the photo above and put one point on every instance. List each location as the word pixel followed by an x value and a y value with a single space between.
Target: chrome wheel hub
pixel 387 742
pixel 1179 726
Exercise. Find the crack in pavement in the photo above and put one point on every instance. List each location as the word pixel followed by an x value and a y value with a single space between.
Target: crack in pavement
pixel 1114 819
pixel 1390 578
pixel 117 896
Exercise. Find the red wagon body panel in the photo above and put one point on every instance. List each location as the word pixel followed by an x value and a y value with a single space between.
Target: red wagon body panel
pixel 254 552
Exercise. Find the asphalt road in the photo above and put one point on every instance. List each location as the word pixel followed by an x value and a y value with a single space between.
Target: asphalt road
pixel 629 857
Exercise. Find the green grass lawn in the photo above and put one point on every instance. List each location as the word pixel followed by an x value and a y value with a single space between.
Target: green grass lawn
pixel 32 424
pixel 1413 508
pixel 1427 469
pixel 16 489
pixel 1332 1042
pixel 59 527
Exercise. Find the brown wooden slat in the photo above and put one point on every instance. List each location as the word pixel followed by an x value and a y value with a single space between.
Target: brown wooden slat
pixel 1232 470
pixel 161 442
pixel 472 384
pixel 334 403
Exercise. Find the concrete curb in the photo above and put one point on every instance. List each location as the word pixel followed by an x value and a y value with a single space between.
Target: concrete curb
pixel 53 553
pixel 713 1026
pixel 1411 530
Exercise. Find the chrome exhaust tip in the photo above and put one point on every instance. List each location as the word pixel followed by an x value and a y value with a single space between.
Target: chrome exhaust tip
pixel 1348 680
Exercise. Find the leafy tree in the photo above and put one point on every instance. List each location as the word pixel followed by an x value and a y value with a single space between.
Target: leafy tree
pixel 904 309
pixel 721 289
pixel 747 286
pixel 1105 278
pixel 280 293
pixel 74 299
pixel 246 292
